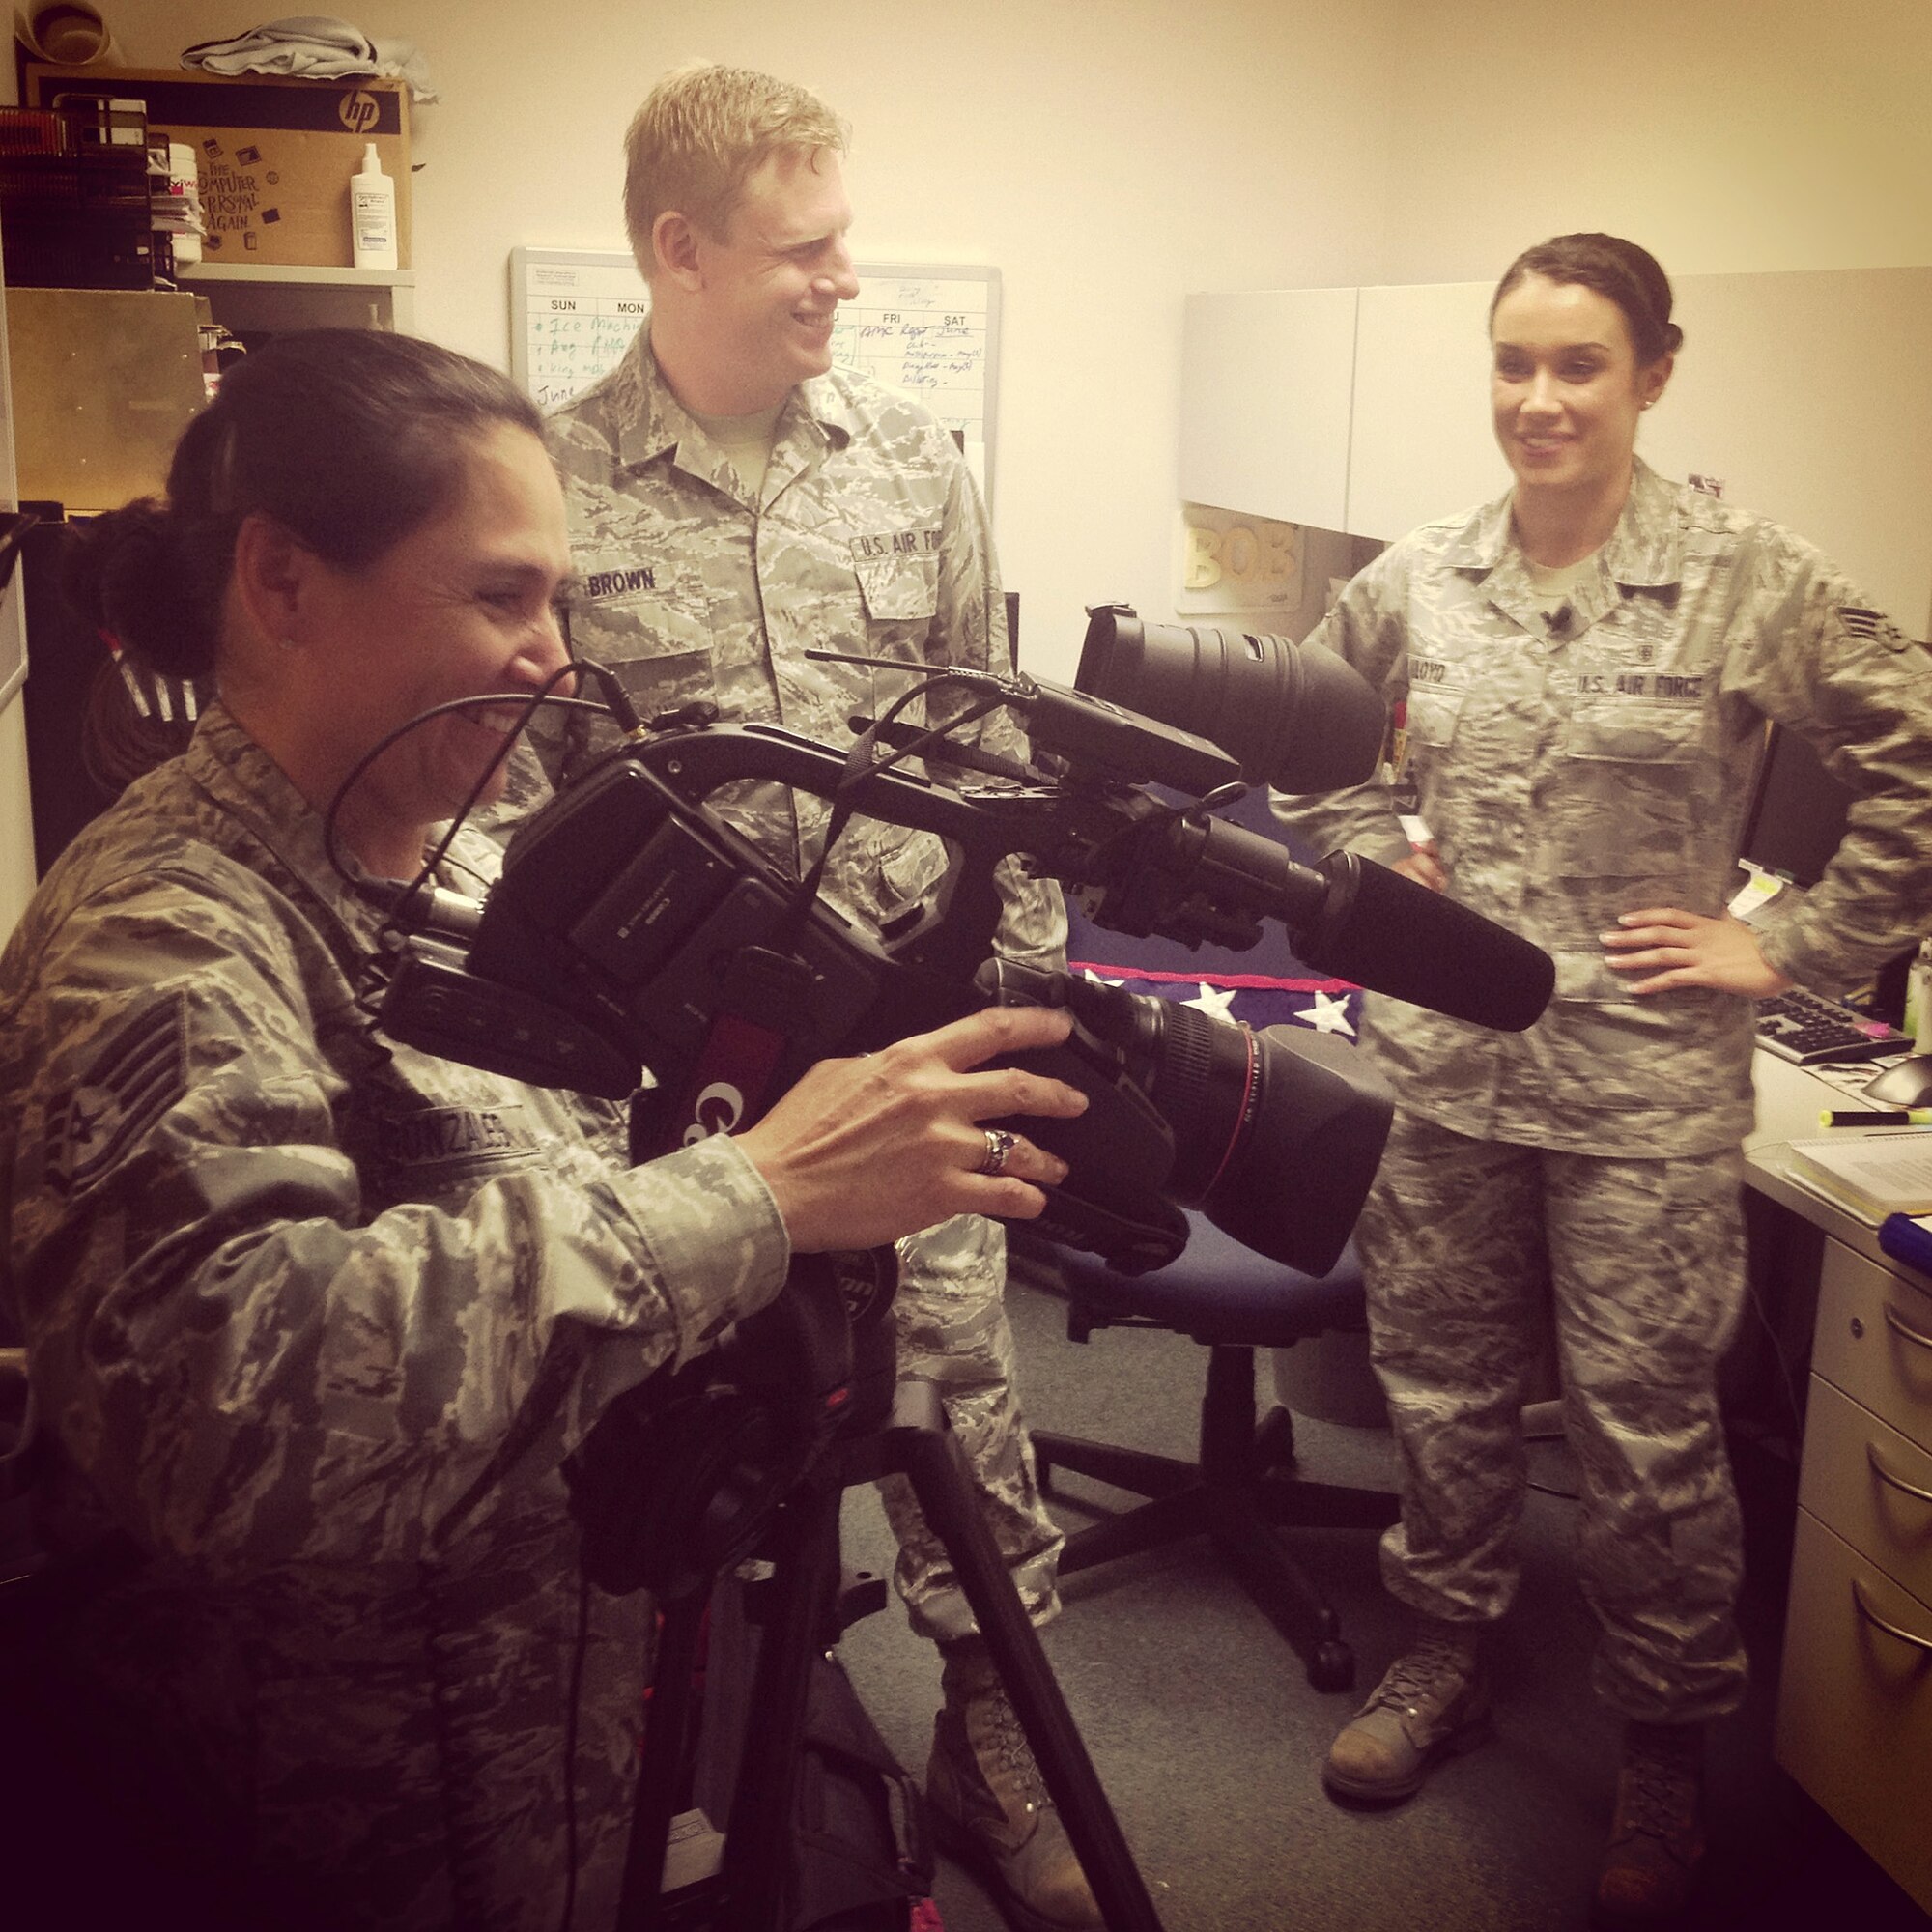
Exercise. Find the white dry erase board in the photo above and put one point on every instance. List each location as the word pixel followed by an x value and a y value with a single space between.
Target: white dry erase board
pixel 931 331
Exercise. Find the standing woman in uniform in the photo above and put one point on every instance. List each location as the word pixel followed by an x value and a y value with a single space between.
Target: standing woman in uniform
pixel 314 1319
pixel 1588 664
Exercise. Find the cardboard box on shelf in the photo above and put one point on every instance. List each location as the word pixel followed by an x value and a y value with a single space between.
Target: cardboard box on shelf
pixel 273 156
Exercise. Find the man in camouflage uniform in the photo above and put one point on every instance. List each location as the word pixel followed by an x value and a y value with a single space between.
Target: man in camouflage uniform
pixel 734 502
pixel 1582 752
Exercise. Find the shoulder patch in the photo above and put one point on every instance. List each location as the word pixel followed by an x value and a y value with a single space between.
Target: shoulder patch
pixel 138 1074
pixel 1874 626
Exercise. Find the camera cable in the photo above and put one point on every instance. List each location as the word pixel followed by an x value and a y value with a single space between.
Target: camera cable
pixel 861 765
pixel 404 899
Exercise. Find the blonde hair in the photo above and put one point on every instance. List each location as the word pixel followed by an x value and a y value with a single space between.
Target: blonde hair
pixel 701 132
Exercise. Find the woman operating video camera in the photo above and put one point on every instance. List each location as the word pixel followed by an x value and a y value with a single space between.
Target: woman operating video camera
pixel 314 1319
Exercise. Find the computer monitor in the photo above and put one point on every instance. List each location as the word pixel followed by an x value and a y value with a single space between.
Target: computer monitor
pixel 1794 823
pixel 1796 818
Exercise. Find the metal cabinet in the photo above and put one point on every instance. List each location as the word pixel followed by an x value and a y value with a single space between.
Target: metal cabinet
pixel 1266 389
pixel 1855 1695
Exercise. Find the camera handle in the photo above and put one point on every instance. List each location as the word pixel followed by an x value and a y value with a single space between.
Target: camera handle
pixel 800 1616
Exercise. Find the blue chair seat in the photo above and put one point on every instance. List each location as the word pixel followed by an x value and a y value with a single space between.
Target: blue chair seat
pixel 1217 1291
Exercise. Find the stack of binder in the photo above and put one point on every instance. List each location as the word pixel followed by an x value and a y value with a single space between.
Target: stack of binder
pixel 1871 1176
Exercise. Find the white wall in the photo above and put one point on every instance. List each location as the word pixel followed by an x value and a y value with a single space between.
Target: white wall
pixel 1106 158
pixel 17 839
pixel 1722 134
pixel 1111 158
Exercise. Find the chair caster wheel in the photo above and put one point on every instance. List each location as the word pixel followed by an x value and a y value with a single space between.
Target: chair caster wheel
pixel 1274 1441
pixel 1332 1667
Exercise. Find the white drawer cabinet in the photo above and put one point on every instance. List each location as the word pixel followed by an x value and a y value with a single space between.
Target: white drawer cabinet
pixel 1874 1339
pixel 1855 1703
pixel 1871 1485
pixel 1854 1696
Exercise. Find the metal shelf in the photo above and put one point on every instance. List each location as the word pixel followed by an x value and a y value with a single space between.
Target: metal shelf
pixel 265 297
pixel 295 272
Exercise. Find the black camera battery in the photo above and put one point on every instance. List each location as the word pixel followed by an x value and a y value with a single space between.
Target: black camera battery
pixel 650 907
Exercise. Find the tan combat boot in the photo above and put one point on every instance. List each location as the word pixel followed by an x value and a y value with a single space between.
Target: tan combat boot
pixel 1657 1837
pixel 989 1804
pixel 1434 1701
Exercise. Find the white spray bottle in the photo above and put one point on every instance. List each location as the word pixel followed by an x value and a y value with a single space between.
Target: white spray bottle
pixel 372 212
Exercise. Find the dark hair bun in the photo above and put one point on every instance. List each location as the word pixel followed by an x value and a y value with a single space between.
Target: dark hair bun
pixel 1614 267
pixel 127 572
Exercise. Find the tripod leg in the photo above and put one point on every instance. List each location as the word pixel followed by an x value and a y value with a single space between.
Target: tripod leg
pixel 660 1775
pixel 757 1844
pixel 919 1442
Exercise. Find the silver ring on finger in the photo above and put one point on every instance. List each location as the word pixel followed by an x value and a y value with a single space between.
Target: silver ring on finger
pixel 999 1145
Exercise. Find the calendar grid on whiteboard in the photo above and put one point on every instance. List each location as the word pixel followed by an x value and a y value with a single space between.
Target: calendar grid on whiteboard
pixel 931 331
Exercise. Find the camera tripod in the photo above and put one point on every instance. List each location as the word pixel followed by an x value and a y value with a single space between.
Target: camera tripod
pixel 802 1613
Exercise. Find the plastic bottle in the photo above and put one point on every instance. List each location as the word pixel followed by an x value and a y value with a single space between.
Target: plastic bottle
pixel 1919 999
pixel 372 212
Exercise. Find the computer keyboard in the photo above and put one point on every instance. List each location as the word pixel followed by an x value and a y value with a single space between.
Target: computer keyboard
pixel 1808 1028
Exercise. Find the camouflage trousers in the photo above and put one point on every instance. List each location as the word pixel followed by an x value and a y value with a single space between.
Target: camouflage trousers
pixel 952 1325
pixel 1475 1253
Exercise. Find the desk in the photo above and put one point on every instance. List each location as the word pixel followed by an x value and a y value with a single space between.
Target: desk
pixel 1854 1701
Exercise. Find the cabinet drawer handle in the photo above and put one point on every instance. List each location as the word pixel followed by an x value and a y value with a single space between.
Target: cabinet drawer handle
pixel 1899 1326
pixel 1892 1476
pixel 1872 1617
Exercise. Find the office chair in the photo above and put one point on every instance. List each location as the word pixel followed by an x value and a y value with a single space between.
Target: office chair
pixel 1240 1491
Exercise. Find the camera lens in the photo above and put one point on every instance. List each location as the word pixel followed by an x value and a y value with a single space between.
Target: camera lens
pixel 1295 1181
pixel 1276 1134
pixel 1201 1074
pixel 1299 718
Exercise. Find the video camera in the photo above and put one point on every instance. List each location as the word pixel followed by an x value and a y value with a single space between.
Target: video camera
pixel 633 928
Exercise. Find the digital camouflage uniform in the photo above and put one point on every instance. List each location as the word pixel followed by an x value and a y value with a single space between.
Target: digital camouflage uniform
pixel 1573 767
pixel 867 537
pixel 315 1317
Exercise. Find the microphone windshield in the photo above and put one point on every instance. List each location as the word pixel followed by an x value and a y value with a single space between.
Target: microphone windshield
pixel 1398 938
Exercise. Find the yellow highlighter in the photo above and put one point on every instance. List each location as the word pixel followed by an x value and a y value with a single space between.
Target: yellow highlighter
pixel 1876 1117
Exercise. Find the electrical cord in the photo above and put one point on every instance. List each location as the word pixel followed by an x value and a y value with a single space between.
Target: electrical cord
pixel 331 833
pixel 1784 1375
pixel 615 706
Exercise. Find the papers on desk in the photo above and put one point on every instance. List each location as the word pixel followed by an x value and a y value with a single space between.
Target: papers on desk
pixel 1852 1076
pixel 1869 1175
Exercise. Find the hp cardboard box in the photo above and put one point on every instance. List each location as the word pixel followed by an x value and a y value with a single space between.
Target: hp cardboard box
pixel 273 156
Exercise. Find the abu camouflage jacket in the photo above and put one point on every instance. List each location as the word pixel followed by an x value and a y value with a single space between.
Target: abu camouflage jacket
pixel 868 538
pixel 314 1319
pixel 1577 766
